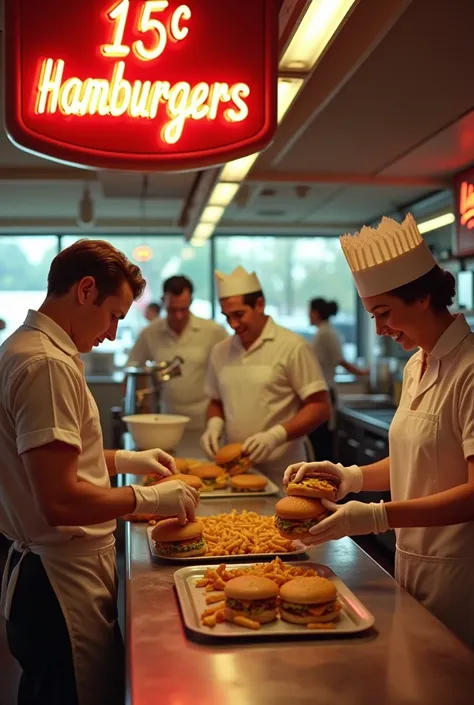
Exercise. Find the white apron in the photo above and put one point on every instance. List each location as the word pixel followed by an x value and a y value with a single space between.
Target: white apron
pixel 243 397
pixel 83 575
pixel 434 564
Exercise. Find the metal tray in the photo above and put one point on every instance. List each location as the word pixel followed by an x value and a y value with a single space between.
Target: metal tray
pixel 354 617
pixel 270 490
pixel 301 548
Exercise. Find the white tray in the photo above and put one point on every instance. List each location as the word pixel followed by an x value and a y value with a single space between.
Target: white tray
pixel 354 617
pixel 301 548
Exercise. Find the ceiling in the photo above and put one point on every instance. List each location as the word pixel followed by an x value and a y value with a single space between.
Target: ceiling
pixel 386 119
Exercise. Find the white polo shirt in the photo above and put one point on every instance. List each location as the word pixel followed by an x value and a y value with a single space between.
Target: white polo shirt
pixel 44 398
pixel 328 350
pixel 264 385
pixel 186 394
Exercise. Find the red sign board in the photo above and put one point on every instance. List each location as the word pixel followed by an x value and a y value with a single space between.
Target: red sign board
pixel 140 84
pixel 464 195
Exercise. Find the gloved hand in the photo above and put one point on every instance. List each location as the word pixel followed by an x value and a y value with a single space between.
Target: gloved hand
pixel 168 500
pixel 351 477
pixel 210 437
pixel 260 446
pixel 145 462
pixel 351 519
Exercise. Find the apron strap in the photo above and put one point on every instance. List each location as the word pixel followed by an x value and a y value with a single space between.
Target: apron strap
pixel 9 583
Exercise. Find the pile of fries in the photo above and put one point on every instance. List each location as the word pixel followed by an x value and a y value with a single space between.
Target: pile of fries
pixel 242 533
pixel 214 581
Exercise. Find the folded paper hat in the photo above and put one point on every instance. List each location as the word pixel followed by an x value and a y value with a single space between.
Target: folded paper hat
pixel 387 257
pixel 238 283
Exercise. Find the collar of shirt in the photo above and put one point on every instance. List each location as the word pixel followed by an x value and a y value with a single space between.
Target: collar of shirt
pixel 193 324
pixel 451 338
pixel 268 333
pixel 55 333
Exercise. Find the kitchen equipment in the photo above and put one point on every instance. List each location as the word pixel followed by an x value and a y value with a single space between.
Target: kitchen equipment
pixel 143 385
pixel 354 616
pixel 156 430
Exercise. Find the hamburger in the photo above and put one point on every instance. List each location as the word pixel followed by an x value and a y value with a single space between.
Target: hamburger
pixel 251 596
pixel 233 460
pixel 316 484
pixel 190 480
pixel 182 465
pixel 248 483
pixel 309 600
pixel 296 515
pixel 211 476
pixel 176 541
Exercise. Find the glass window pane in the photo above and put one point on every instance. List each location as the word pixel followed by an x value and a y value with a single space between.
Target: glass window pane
pixel 166 256
pixel 293 270
pixel 24 267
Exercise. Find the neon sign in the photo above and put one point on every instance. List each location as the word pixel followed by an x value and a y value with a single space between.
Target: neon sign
pixel 153 84
pixel 466 205
pixel 464 198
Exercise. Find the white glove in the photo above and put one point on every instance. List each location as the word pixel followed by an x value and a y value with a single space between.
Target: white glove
pixel 260 446
pixel 351 477
pixel 170 499
pixel 145 462
pixel 351 519
pixel 210 437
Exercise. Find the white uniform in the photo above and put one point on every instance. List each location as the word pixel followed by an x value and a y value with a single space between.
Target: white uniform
pixel 186 394
pixel 328 350
pixel 431 438
pixel 44 398
pixel 264 386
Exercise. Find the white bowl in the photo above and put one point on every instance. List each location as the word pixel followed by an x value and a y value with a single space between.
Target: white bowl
pixel 156 430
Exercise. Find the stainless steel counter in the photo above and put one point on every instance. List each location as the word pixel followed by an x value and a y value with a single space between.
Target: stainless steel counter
pixel 409 658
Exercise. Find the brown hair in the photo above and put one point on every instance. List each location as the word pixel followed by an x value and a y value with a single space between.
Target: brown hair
pixel 98 259
pixel 251 299
pixel 438 284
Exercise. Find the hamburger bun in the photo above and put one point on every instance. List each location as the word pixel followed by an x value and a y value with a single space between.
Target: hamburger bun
pixel 296 515
pixel 211 476
pixel 176 541
pixel 182 465
pixel 309 600
pixel 232 459
pixel 315 484
pixel 251 596
pixel 190 480
pixel 248 483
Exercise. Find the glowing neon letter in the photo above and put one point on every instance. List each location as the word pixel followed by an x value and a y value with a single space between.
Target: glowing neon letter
pixel 120 13
pixel 237 93
pixel 181 13
pixel 147 24
pixel 466 205
pixel 49 86
pixel 120 91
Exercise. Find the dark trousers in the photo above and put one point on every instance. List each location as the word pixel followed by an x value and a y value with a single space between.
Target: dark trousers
pixel 38 638
pixel 322 440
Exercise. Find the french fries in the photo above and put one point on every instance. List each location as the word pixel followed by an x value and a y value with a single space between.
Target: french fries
pixel 276 570
pixel 244 622
pixel 244 533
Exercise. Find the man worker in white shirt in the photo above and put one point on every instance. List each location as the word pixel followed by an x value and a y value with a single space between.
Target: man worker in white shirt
pixel 267 389
pixel 56 503
pixel 184 334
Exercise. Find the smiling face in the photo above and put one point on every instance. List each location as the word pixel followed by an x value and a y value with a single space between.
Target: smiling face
pixel 401 321
pixel 177 308
pixel 93 323
pixel 246 321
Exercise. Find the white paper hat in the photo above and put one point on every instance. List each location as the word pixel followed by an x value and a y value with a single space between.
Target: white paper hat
pixel 239 283
pixel 385 258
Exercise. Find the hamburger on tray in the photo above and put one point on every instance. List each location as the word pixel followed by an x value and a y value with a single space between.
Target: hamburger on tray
pixel 248 483
pixel 296 515
pixel 315 483
pixel 191 480
pixel 309 601
pixel 251 597
pixel 211 476
pixel 173 540
pixel 232 459
pixel 182 465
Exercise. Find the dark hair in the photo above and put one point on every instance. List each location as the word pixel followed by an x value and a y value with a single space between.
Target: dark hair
pixel 251 299
pixel 326 309
pixel 438 284
pixel 98 259
pixel 154 307
pixel 177 285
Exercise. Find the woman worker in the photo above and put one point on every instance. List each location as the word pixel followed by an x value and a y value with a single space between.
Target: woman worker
pixel 327 347
pixel 430 469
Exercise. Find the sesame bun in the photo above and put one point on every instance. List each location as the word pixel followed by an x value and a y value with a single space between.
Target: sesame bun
pixel 248 483
pixel 318 594
pixel 172 530
pixel 182 465
pixel 251 587
pixel 314 484
pixel 190 480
